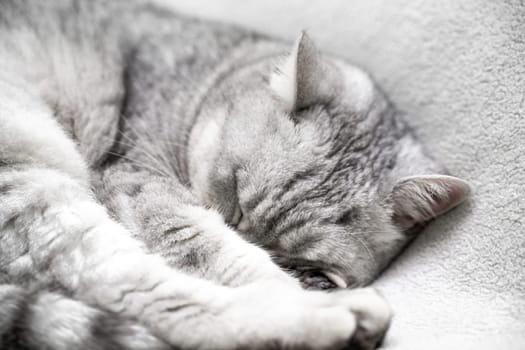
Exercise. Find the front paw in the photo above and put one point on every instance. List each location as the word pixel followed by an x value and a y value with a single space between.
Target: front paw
pixel 276 316
pixel 373 316
pixel 289 318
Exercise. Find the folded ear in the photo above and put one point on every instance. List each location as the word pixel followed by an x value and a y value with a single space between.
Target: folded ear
pixel 419 199
pixel 298 80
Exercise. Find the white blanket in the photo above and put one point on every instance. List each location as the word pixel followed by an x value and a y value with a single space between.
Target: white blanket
pixel 458 68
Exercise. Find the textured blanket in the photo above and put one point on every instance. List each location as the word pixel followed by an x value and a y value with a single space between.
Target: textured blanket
pixel 458 68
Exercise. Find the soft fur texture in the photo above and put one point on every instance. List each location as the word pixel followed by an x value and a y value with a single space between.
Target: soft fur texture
pixel 458 68
pixel 153 166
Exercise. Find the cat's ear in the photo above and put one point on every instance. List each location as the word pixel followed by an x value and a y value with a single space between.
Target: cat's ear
pixel 298 80
pixel 419 199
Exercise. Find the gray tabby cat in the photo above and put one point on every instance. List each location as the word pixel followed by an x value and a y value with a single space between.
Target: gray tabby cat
pixel 159 174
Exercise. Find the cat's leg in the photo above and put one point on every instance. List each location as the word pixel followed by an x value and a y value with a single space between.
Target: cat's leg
pixel 47 206
pixel 40 319
pixel 195 239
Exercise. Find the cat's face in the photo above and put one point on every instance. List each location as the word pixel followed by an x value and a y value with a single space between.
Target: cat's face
pixel 317 168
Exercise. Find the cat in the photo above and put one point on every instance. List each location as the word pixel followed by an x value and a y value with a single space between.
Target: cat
pixel 167 182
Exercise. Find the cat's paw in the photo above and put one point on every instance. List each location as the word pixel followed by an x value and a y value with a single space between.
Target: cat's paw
pixel 373 316
pixel 279 317
pixel 275 316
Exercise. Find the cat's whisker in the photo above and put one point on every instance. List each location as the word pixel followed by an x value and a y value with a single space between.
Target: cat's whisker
pixel 157 157
pixel 365 246
pixel 142 165
pixel 161 157
pixel 120 142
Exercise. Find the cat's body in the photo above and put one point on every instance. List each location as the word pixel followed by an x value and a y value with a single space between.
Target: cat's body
pixel 178 127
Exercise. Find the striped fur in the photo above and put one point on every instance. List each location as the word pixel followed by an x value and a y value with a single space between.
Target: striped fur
pixel 160 175
pixel 43 320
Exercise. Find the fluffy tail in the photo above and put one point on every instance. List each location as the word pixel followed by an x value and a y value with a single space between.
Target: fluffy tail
pixel 50 321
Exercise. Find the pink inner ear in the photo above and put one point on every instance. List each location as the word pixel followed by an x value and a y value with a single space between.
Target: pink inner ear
pixel 453 197
pixel 421 198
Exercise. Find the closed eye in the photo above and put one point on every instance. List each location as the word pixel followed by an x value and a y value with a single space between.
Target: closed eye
pixel 347 216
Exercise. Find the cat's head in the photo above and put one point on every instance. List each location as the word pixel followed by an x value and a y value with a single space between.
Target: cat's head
pixel 313 163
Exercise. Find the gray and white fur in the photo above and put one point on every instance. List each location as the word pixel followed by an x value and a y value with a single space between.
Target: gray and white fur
pixel 167 182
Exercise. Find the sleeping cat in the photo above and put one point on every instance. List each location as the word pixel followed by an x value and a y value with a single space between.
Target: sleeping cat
pixel 167 182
